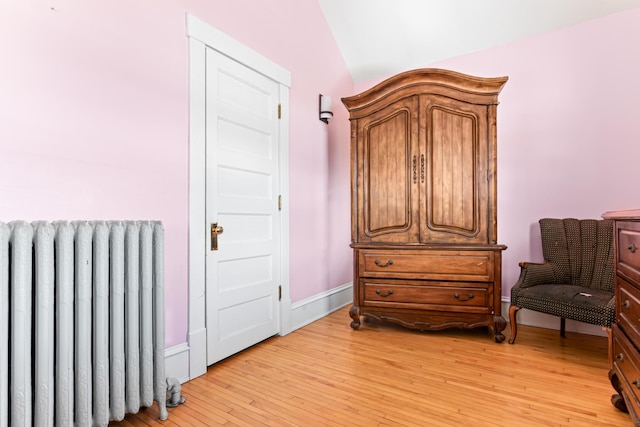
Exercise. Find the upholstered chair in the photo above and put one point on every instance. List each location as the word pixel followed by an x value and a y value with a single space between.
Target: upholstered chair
pixel 575 281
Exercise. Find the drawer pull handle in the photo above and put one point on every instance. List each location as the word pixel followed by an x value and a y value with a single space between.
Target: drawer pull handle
pixel 636 383
pixel 632 248
pixel 380 264
pixel 457 295
pixel 620 357
pixel 626 304
pixel 389 292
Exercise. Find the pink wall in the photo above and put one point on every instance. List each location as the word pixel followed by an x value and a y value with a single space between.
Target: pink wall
pixel 94 123
pixel 567 141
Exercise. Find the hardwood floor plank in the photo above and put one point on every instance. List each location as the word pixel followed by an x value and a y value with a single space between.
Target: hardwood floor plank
pixel 326 374
pixel 296 394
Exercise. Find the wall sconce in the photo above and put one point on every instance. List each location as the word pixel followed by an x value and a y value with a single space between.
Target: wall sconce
pixel 326 110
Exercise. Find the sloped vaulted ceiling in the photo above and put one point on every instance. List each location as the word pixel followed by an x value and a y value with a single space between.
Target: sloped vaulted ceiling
pixel 379 38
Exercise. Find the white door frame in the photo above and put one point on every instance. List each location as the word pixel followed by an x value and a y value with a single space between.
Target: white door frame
pixel 201 36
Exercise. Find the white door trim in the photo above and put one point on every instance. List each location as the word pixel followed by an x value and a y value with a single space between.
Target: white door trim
pixel 200 36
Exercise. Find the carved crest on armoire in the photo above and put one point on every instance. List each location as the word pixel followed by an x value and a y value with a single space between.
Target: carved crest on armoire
pixel 423 201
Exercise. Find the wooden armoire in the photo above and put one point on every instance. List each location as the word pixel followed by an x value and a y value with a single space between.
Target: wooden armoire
pixel 423 209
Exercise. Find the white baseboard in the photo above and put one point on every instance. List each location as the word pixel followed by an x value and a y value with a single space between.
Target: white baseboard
pixel 541 320
pixel 176 362
pixel 316 307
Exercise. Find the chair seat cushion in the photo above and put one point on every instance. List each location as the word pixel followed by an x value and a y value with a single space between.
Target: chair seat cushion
pixel 584 304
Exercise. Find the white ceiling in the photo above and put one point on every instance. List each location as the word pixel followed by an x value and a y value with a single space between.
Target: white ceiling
pixel 379 38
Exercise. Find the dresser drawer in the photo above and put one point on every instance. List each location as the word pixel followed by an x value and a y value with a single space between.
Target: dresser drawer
pixel 427 295
pixel 626 361
pixel 628 250
pixel 628 308
pixel 427 264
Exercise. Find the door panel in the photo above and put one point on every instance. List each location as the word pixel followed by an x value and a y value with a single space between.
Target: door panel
pixel 242 275
pixel 387 179
pixel 455 190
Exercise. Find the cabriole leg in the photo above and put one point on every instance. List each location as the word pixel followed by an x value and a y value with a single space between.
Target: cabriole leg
pixel 499 325
pixel 514 326
pixel 354 312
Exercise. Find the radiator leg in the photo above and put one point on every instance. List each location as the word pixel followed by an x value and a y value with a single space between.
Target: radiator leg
pixel 174 387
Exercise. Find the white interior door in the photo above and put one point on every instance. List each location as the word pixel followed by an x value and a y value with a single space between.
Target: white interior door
pixel 242 188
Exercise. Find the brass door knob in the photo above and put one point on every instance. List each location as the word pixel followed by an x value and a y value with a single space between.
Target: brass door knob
pixel 215 230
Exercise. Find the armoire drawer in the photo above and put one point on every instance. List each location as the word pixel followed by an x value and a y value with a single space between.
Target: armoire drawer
pixel 468 266
pixel 627 362
pixel 628 309
pixel 628 249
pixel 434 294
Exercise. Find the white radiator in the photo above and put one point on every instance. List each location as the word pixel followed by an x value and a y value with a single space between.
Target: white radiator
pixel 81 322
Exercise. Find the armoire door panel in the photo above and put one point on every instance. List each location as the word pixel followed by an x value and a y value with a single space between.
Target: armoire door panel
pixel 389 182
pixel 453 172
pixel 454 192
pixel 386 174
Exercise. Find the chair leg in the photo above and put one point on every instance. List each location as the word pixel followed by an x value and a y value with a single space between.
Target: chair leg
pixel 562 322
pixel 513 309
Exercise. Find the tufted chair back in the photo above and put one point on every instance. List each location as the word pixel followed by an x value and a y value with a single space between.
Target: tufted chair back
pixel 580 252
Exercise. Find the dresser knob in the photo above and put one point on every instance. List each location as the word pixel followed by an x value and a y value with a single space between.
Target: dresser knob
pixel 380 264
pixel 620 357
pixel 636 383
pixel 632 248
pixel 457 295
pixel 626 304
pixel 389 292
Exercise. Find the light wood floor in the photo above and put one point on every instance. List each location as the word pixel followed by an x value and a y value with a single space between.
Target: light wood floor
pixel 382 375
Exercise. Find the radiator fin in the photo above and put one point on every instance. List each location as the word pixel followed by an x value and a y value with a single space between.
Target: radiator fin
pixel 89 298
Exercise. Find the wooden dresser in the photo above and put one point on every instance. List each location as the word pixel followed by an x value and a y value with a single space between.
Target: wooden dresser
pixel 424 224
pixel 624 352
